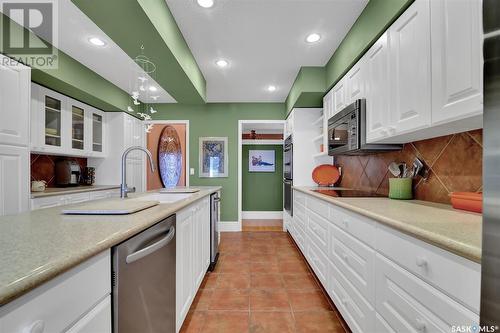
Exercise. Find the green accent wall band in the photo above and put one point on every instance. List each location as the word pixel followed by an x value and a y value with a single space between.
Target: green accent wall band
pixel 132 23
pixel 262 191
pixel 219 119
pixel 308 88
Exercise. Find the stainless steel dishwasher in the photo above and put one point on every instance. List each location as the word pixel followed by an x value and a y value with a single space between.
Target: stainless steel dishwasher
pixel 144 281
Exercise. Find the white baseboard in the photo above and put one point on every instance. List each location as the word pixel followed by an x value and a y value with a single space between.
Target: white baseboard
pixel 264 215
pixel 229 226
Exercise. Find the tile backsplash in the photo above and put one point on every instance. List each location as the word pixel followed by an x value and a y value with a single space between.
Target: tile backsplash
pixel 455 163
pixel 43 167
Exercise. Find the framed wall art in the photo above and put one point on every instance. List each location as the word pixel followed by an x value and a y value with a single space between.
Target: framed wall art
pixel 261 161
pixel 213 157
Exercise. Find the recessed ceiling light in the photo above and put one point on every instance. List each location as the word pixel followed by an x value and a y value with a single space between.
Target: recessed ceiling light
pixel 206 3
pixel 271 88
pixel 221 63
pixel 97 41
pixel 313 38
pixel 152 88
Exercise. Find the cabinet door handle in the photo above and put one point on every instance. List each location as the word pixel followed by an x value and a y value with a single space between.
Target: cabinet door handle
pixel 345 257
pixel 420 324
pixel 421 262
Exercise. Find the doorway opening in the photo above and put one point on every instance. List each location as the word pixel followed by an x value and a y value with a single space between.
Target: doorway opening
pixel 260 175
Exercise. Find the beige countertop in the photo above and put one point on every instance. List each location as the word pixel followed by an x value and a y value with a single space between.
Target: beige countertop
pixel 456 231
pixel 39 245
pixel 49 191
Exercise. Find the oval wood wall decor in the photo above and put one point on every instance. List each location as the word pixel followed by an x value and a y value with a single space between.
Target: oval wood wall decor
pixel 169 156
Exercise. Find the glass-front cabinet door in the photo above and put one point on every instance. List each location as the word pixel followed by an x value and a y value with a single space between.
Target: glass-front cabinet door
pixel 53 119
pixel 97 132
pixel 77 128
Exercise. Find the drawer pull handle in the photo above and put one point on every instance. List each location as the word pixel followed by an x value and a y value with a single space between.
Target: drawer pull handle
pixel 345 256
pixel 421 262
pixel 420 325
pixel 344 301
pixel 346 222
pixel 37 327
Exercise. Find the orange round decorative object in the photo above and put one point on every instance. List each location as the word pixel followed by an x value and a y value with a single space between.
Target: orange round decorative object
pixel 325 175
pixel 470 201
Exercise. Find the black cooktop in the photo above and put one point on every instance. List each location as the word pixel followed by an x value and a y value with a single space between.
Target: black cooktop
pixel 343 193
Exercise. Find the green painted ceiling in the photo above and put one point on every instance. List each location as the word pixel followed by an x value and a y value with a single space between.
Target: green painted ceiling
pixel 132 23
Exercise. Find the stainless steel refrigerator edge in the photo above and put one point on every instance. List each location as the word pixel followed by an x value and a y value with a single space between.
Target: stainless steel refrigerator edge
pixel 143 283
pixel 490 277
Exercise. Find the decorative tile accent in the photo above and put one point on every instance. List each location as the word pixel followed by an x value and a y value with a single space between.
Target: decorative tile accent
pixel 455 162
pixel 42 167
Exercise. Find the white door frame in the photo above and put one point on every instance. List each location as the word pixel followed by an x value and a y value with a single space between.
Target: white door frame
pixel 240 157
pixel 170 122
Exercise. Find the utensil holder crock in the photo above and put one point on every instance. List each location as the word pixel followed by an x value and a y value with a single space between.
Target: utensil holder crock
pixel 401 188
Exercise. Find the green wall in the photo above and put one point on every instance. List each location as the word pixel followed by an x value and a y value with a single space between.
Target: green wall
pixel 308 88
pixel 262 191
pixel 219 120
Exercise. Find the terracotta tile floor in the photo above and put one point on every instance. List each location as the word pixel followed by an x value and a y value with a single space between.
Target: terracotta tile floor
pixel 261 284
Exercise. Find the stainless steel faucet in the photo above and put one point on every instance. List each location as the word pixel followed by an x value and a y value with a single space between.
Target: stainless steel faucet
pixel 124 189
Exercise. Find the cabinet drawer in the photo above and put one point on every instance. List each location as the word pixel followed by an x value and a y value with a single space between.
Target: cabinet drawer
pixel 47 202
pixel 299 197
pixel 355 260
pixel 300 220
pixel 300 238
pixel 318 206
pixel 76 198
pixel 97 320
pixel 318 262
pixel 354 224
pixel 318 230
pixel 299 210
pixel 61 301
pixel 357 312
pixel 409 304
pixel 458 277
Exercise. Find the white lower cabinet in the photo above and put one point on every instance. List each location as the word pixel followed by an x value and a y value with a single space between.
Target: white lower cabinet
pixel 380 279
pixel 193 254
pixel 75 300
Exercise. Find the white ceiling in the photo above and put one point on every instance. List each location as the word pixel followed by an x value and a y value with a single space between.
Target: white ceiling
pixel 110 61
pixel 263 40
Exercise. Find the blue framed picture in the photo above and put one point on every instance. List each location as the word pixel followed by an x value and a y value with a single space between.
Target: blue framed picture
pixel 213 157
pixel 261 161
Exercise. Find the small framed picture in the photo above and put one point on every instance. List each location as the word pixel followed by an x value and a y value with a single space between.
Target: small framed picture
pixel 261 161
pixel 213 157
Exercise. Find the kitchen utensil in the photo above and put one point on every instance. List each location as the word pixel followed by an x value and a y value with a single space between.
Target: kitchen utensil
pixel 401 188
pixel 394 169
pixel 469 201
pixel 38 185
pixel 325 175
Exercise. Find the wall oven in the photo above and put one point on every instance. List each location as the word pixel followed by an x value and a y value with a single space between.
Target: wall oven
pixel 288 175
pixel 347 132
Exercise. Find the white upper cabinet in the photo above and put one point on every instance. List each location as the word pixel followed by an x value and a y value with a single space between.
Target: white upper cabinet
pixel 457 60
pixel 64 126
pixel 410 70
pixel 339 96
pixel 377 92
pixel 355 82
pixel 14 103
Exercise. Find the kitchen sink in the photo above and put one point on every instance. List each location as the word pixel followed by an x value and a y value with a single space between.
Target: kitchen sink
pixel 164 197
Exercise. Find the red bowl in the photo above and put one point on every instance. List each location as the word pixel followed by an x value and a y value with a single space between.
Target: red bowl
pixel 470 201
